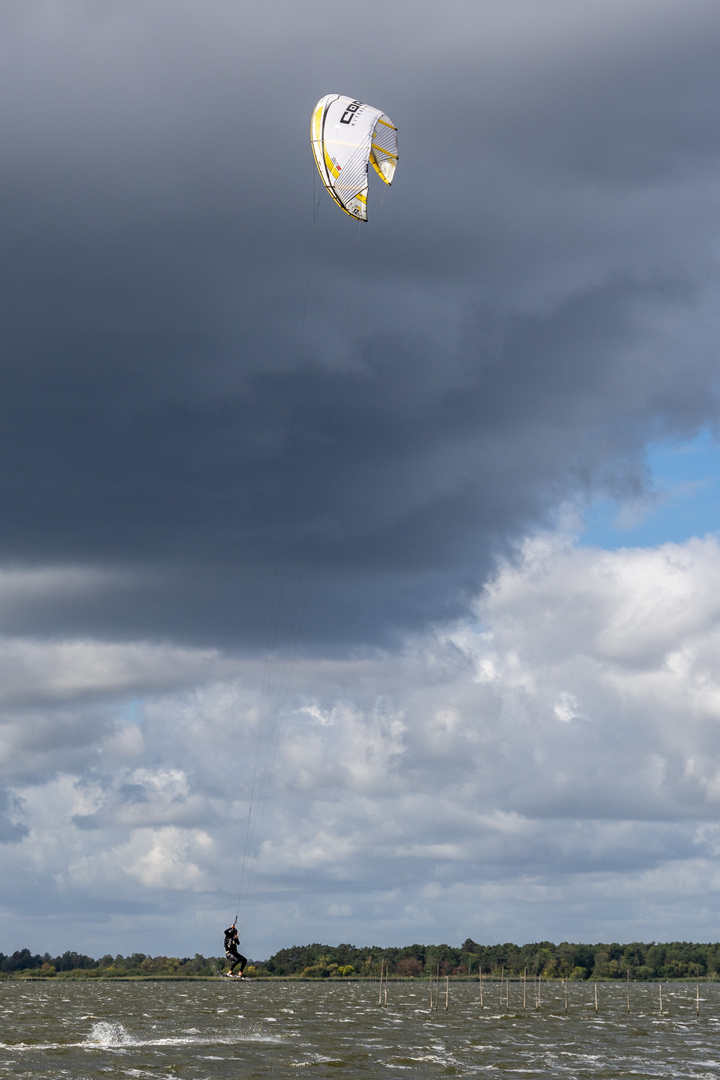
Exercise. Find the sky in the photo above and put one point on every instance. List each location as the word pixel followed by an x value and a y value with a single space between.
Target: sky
pixel 398 540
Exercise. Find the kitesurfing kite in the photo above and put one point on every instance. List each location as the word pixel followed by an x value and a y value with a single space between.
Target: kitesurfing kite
pixel 347 136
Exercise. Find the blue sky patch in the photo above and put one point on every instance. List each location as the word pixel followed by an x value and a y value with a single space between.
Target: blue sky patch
pixel 685 500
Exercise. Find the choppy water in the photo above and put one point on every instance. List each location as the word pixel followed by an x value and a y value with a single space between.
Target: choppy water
pixel 260 1030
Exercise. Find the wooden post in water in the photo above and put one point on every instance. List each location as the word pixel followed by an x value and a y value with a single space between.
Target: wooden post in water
pixel 387 979
pixel 524 988
pixel 596 1000
pixel 481 986
pixel 382 967
pixel 431 993
pixel 565 982
pixel 447 991
pixel 697 989
pixel 628 991
pixel 502 977
pixel 661 1004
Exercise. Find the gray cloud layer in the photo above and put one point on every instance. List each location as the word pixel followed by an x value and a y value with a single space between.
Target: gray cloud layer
pixel 199 387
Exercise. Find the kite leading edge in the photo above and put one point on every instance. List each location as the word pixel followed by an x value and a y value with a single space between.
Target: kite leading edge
pixel 347 136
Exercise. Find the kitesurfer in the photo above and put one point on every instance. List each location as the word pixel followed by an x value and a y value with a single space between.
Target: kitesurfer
pixel 231 951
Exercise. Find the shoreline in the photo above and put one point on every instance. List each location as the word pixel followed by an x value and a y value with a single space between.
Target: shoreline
pixel 418 980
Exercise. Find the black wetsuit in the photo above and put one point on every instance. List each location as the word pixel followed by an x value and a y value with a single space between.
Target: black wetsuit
pixel 231 950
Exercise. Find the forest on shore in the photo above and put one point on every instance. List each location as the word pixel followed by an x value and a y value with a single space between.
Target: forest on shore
pixel 638 961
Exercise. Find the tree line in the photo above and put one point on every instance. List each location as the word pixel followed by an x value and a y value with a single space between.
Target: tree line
pixel 641 961
pixel 77 964
pixel 674 960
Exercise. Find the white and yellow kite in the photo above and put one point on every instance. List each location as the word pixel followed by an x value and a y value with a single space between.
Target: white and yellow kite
pixel 347 136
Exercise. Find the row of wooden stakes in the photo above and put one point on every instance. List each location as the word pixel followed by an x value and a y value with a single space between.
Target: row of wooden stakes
pixel 535 991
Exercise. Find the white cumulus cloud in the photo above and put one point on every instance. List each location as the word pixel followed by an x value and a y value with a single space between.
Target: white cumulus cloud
pixel 551 769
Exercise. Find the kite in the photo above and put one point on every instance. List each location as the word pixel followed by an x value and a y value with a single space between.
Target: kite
pixel 347 136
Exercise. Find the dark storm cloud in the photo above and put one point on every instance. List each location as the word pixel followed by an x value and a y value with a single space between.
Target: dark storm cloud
pixel 201 391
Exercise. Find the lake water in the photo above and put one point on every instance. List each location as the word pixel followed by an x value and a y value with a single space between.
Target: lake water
pixel 194 1031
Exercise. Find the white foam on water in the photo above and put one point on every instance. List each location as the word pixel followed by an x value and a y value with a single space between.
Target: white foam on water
pixel 109 1033
pixel 316 1059
pixel 255 1037
pixel 435 1058
pixel 147 1072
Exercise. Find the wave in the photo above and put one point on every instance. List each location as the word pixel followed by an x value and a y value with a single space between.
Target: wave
pixel 111 1035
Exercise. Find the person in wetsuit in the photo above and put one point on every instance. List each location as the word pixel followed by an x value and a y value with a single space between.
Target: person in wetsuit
pixel 231 951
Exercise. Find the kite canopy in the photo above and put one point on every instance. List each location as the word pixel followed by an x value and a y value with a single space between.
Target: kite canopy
pixel 347 136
